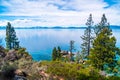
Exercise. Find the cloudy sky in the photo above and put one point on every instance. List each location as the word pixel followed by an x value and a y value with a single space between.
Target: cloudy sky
pixel 27 13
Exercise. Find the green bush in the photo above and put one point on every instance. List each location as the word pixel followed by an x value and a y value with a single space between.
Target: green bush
pixel 72 71
pixel 34 77
pixel 8 71
pixel 114 78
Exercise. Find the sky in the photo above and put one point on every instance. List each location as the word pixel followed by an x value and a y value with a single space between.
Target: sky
pixel 50 13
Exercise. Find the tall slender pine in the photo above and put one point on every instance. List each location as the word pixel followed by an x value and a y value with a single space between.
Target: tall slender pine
pixel 71 49
pixel 87 37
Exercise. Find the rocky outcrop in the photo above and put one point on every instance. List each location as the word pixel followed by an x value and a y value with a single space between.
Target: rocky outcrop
pixel 11 56
pixel 2 52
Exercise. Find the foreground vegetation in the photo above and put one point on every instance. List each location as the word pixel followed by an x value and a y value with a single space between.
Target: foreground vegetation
pixel 27 69
pixel 72 71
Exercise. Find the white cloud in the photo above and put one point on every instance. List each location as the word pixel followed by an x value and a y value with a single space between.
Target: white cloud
pixel 59 12
pixel 3 23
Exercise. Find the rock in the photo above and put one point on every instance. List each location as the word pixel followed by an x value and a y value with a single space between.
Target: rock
pixel 20 75
pixel 11 56
pixel 19 78
pixel 2 52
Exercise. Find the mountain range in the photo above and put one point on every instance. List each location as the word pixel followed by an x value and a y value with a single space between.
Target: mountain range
pixel 56 27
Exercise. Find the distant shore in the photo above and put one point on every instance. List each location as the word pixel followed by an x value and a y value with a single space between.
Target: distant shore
pixel 56 27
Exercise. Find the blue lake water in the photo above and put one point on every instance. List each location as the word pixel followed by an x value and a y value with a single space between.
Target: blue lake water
pixel 40 42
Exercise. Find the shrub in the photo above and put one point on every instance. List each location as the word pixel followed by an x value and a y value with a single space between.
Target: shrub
pixel 114 78
pixel 34 77
pixel 8 71
pixel 72 71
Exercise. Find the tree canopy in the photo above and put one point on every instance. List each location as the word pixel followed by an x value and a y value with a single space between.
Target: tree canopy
pixel 104 48
pixel 11 38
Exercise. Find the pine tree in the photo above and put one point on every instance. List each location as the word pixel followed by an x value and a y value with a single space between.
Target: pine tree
pixel 103 24
pixel 8 37
pixel 71 49
pixel 59 53
pixel 54 52
pixel 104 49
pixel 87 37
pixel 59 49
pixel 15 42
pixel 56 55
pixel 11 38
pixel 71 46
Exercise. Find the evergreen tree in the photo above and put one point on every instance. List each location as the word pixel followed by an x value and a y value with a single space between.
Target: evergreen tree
pixel 56 55
pixel 104 49
pixel 59 49
pixel 11 38
pixel 103 24
pixel 8 37
pixel 54 52
pixel 59 53
pixel 87 37
pixel 72 48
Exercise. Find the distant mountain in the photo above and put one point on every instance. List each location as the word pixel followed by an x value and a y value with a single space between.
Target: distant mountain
pixel 39 27
pixel 68 27
pixel 57 27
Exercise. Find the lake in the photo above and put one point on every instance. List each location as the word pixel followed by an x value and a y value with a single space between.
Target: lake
pixel 40 42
